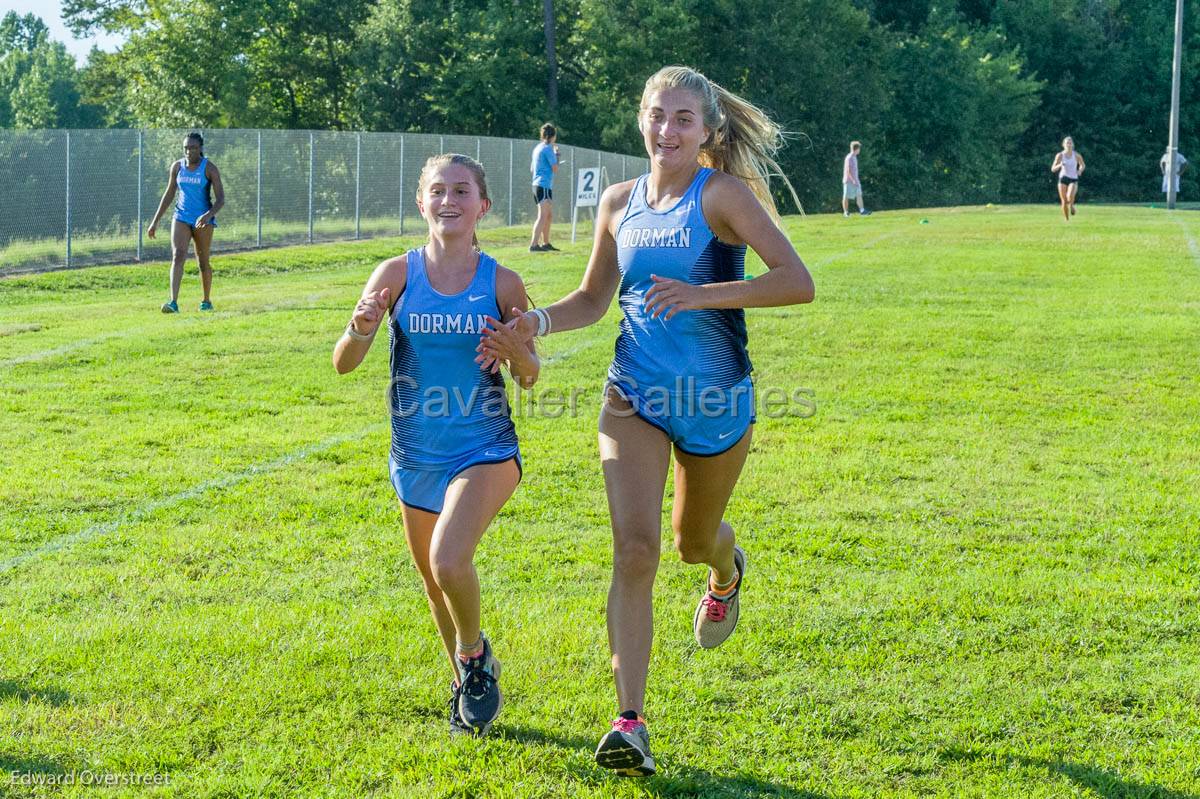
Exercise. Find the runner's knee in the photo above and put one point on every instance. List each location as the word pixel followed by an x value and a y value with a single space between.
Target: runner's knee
pixel 636 555
pixel 692 544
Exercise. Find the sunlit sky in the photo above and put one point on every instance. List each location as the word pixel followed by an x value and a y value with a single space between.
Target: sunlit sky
pixel 50 11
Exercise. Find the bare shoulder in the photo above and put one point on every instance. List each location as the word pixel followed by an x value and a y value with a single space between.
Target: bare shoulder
pixel 211 169
pixel 397 266
pixel 617 195
pixel 724 194
pixel 508 281
pixel 392 274
pixel 173 170
pixel 723 184
pixel 510 292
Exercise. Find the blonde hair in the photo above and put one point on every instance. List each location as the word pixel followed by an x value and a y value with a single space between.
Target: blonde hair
pixel 743 141
pixel 454 159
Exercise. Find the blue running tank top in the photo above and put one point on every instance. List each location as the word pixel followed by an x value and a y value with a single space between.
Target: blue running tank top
pixel 193 200
pixel 443 406
pixel 694 349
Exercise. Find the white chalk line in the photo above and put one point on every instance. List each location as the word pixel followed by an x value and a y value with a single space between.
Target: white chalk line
pixel 1193 248
pixel 106 528
pixel 74 346
pixel 224 481
pixel 865 245
pixel 66 349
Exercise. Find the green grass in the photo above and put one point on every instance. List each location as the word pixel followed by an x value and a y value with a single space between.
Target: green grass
pixel 28 255
pixel 975 571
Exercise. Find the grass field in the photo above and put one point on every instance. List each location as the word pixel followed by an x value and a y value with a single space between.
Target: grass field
pixel 235 234
pixel 975 571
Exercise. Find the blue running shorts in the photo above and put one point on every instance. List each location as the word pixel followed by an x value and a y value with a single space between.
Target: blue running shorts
pixel 425 488
pixel 706 421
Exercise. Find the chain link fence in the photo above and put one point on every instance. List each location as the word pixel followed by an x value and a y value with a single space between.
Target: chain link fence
pixel 71 198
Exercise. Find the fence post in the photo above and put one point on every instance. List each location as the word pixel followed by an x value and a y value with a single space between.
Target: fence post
pixel 312 161
pixel 478 150
pixel 510 182
pixel 139 196
pixel 258 195
pixel 441 144
pixel 401 184
pixel 357 182
pixel 68 199
pixel 571 185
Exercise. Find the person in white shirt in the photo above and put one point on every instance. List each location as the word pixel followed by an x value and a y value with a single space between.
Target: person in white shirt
pixel 851 185
pixel 1180 165
pixel 1069 166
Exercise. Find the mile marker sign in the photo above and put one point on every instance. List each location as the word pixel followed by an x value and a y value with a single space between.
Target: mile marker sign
pixel 587 193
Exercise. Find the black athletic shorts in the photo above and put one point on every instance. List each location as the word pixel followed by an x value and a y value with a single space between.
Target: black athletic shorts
pixel 1066 181
pixel 542 193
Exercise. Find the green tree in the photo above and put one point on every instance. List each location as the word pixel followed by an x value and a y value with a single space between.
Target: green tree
pixel 227 63
pixel 960 102
pixel 474 66
pixel 814 65
pixel 38 78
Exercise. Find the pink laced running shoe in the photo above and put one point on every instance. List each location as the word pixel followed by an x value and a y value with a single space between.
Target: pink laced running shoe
pixel 716 617
pixel 625 749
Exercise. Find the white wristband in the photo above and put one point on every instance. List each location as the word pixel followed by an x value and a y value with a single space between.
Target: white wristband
pixel 543 321
pixel 354 334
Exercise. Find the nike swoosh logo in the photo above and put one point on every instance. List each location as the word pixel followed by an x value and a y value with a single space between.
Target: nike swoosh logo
pixel 724 436
pixel 476 297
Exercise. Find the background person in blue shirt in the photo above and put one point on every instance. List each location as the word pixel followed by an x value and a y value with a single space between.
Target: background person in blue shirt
pixel 543 165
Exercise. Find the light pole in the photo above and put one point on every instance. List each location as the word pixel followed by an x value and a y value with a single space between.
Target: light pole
pixel 1173 141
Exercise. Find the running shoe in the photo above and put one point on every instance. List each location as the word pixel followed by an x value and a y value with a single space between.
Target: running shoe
pixel 717 616
pixel 457 726
pixel 206 306
pixel 625 749
pixel 479 698
pixel 170 307
pixel 536 248
pixel 548 247
pixel 863 212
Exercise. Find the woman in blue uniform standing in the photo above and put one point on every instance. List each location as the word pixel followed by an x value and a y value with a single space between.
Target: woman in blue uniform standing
pixel 198 184
pixel 672 245
pixel 454 459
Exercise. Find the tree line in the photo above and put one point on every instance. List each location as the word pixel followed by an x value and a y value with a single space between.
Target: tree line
pixel 962 101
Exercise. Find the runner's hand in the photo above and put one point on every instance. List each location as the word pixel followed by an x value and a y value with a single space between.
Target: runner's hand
pixel 370 311
pixel 668 297
pixel 504 341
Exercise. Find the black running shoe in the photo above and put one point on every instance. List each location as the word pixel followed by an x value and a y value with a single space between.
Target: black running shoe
pixel 550 248
pixel 457 726
pixel 479 698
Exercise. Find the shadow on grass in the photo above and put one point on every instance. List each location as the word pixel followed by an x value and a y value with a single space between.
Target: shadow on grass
pixel 25 764
pixel 14 690
pixel 10 764
pixel 673 779
pixel 1103 783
